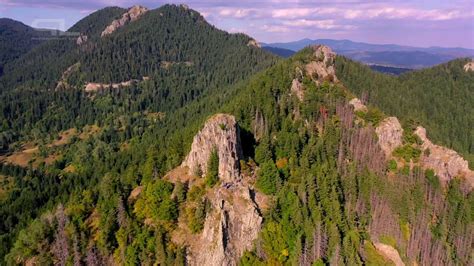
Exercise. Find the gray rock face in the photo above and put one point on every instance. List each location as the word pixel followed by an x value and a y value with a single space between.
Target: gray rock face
pixel 469 66
pixel 220 132
pixel 390 134
pixel 322 69
pixel 131 15
pixel 230 228
pixel 446 163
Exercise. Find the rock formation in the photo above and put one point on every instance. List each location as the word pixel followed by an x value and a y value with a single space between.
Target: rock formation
pixel 297 89
pixel 469 66
pixel 390 253
pixel 221 133
pixel 446 163
pixel 389 134
pixel 253 43
pixel 230 228
pixel 234 221
pixel 131 15
pixel 92 86
pixel 63 82
pixel 358 105
pixel 322 68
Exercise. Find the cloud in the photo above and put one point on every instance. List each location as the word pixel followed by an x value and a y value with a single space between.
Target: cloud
pixel 291 19
pixel 319 24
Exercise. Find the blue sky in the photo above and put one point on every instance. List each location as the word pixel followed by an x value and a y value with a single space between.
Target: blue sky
pixel 419 23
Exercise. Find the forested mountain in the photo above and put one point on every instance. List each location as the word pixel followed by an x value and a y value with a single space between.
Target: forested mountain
pixel 169 142
pixel 17 39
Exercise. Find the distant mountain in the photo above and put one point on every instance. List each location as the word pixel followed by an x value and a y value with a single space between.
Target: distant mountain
pixel 17 39
pixel 279 51
pixel 384 54
pixel 390 70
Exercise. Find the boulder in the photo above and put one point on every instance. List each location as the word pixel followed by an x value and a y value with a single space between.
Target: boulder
pixel 358 105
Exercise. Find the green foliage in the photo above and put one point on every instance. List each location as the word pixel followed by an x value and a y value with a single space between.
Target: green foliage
pixel 407 152
pixel 392 165
pixel 373 116
pixel 432 178
pixel 157 203
pixel 268 180
pixel 196 216
pixel 373 258
pixel 212 175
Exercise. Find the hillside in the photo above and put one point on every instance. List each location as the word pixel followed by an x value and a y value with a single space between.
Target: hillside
pixel 312 179
pixel 17 39
pixel 171 70
pixel 440 98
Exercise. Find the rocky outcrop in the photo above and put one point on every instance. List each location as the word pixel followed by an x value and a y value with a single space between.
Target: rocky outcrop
pixel 469 66
pixel 358 105
pixel 297 89
pixel 81 39
pixel 322 67
pixel 92 86
pixel 389 134
pixel 253 43
pixel 230 228
pixel 131 15
pixel 446 163
pixel 390 253
pixel 221 133
pixel 63 82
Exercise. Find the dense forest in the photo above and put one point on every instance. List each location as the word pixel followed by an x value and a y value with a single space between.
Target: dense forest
pixel 332 194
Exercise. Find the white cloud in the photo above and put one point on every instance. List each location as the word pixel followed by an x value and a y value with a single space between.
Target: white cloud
pixel 320 24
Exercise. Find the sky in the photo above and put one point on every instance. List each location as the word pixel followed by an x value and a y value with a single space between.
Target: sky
pixel 424 23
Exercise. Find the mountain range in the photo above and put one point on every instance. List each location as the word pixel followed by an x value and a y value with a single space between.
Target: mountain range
pixel 150 137
pixel 389 55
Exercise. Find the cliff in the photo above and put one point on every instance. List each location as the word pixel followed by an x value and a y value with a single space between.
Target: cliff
pixel 234 221
pixel 221 133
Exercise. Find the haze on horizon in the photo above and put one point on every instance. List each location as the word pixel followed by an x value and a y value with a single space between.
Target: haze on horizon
pixel 423 24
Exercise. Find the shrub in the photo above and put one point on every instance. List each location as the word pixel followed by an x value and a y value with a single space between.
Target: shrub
pixel 407 152
pixel 392 165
